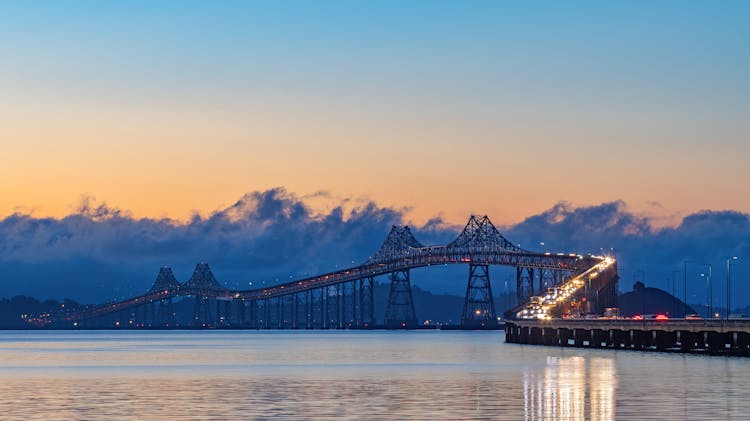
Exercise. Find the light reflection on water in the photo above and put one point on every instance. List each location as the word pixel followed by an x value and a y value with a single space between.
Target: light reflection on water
pixel 352 375
pixel 571 388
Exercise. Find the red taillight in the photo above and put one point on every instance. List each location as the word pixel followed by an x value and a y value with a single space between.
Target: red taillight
pixel 637 317
pixel 662 317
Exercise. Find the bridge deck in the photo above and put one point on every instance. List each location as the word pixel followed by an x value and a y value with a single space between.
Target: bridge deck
pixel 673 325
pixel 716 337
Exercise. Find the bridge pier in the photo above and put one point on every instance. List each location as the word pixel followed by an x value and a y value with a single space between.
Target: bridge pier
pixel 202 313
pixel 619 339
pixel 228 320
pixel 339 306
pixel 350 305
pixel 549 336
pixel 743 343
pixel 266 318
pixel 511 334
pixel 308 310
pixel 717 341
pixel 689 341
pixel 165 315
pixel 643 339
pixel 241 308
pixel 222 313
pixel 151 314
pixel 535 336
pixel 323 307
pixel 366 302
pixel 139 315
pixel 524 334
pixel 295 313
pixel 279 310
pixel 582 337
pixel 563 336
pixel 479 306
pixel 599 338
pixel 400 312
pixel 253 313
pixel 331 303
pixel 664 340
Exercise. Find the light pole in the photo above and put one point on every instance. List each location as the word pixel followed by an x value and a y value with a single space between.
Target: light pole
pixel 710 291
pixel 684 286
pixel 729 284
pixel 708 305
pixel 684 279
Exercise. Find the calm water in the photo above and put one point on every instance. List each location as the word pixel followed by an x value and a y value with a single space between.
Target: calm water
pixel 353 375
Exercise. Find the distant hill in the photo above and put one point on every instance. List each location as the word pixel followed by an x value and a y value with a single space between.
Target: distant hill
pixel 646 300
pixel 446 308
pixel 438 308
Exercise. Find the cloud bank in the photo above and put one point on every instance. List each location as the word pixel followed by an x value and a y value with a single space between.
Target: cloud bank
pixel 100 253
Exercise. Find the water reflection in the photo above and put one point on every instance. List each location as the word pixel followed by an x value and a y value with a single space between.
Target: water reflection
pixel 571 388
pixel 352 375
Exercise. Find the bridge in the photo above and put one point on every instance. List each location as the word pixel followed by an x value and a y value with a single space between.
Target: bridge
pixel 345 298
pixel 711 336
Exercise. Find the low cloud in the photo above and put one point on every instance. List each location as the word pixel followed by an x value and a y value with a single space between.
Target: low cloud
pixel 100 252
pixel 705 237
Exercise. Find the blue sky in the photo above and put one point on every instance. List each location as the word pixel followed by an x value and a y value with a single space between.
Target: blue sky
pixel 468 96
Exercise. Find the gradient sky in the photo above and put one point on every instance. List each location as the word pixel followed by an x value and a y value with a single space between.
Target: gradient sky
pixel 164 108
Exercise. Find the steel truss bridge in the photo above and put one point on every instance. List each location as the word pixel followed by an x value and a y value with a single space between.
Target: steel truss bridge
pixel 345 298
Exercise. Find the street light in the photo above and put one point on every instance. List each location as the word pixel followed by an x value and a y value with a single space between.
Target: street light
pixel 710 292
pixel 729 284
pixel 708 303
pixel 684 279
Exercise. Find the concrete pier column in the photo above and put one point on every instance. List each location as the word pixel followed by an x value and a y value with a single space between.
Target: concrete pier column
pixel 664 340
pixel 581 335
pixel 563 335
pixel 743 343
pixel 524 335
pixel 510 333
pixel 640 339
pixel 549 336
pixel 626 338
pixel 536 336
pixel 619 339
pixel 717 341
pixel 597 337
pixel 687 341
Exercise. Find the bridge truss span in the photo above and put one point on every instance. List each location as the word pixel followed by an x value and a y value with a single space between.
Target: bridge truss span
pixel 344 298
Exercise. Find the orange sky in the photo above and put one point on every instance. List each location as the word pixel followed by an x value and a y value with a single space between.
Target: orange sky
pixel 172 163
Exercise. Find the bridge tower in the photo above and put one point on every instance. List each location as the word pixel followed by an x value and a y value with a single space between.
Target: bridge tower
pixel 524 283
pixel 366 302
pixel 400 312
pixel 201 284
pixel 165 282
pixel 396 247
pixel 479 306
